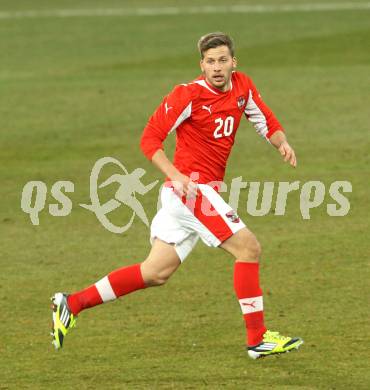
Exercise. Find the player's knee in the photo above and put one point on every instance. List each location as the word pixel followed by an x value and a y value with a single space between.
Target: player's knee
pixel 160 278
pixel 157 278
pixel 251 249
pixel 255 249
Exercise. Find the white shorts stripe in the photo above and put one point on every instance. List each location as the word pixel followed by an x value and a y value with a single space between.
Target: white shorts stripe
pixel 176 224
pixel 221 207
pixel 251 305
pixel 105 289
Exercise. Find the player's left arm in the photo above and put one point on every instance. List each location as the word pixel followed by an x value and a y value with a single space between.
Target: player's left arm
pixel 279 140
pixel 267 125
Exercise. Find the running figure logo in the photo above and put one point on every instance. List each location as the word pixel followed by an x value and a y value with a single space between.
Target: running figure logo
pixel 129 184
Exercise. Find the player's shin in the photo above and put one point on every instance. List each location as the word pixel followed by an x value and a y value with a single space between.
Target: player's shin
pixel 119 282
pixel 249 293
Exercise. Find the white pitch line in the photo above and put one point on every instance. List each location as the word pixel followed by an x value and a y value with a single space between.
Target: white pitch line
pixel 68 13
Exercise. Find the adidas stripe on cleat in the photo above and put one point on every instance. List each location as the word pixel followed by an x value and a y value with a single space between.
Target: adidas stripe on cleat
pixel 274 343
pixel 63 319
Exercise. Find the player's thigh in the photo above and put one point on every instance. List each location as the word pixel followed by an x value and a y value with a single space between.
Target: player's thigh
pixel 243 245
pixel 160 264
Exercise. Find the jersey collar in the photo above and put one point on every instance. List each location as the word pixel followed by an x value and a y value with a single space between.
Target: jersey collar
pixel 213 89
pixel 218 91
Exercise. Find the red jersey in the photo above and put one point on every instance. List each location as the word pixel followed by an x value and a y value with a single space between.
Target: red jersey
pixel 206 120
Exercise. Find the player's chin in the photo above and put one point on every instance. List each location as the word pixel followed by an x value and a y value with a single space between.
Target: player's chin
pixel 219 83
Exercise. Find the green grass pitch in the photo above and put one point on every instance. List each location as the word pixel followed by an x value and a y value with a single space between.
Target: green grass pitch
pixel 75 89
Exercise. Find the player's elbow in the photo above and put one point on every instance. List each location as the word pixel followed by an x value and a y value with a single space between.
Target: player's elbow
pixel 149 146
pixel 146 149
pixel 144 144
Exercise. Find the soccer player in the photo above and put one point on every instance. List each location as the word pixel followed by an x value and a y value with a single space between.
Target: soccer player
pixel 205 114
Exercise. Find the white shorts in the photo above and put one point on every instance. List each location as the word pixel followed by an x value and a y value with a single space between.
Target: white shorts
pixel 181 223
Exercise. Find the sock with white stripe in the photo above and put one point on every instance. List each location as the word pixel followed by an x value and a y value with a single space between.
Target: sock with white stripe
pixel 119 282
pixel 249 293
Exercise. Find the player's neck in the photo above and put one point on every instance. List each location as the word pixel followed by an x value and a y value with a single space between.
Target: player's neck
pixel 227 87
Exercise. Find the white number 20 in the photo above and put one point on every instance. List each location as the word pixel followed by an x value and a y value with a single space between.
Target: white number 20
pixel 224 127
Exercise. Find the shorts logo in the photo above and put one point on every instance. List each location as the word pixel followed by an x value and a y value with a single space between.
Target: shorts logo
pixel 241 102
pixel 233 216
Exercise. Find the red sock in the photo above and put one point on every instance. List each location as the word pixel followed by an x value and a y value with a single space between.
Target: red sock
pixel 249 293
pixel 119 282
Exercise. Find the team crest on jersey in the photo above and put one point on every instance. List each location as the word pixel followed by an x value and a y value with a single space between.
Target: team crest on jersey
pixel 241 102
pixel 233 216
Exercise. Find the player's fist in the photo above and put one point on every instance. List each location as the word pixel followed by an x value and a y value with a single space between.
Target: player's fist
pixel 288 153
pixel 184 186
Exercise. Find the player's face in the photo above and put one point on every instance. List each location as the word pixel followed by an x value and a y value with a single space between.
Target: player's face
pixel 217 66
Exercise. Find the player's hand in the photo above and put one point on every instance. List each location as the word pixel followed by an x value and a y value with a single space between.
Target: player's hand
pixel 288 153
pixel 184 186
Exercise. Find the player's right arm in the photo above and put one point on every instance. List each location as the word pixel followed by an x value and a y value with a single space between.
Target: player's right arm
pixel 182 183
pixel 174 109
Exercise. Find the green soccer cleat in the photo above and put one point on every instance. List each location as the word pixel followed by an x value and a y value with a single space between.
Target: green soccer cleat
pixel 63 319
pixel 274 343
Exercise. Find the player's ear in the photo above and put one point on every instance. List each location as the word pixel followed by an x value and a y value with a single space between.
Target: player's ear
pixel 235 62
pixel 201 65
